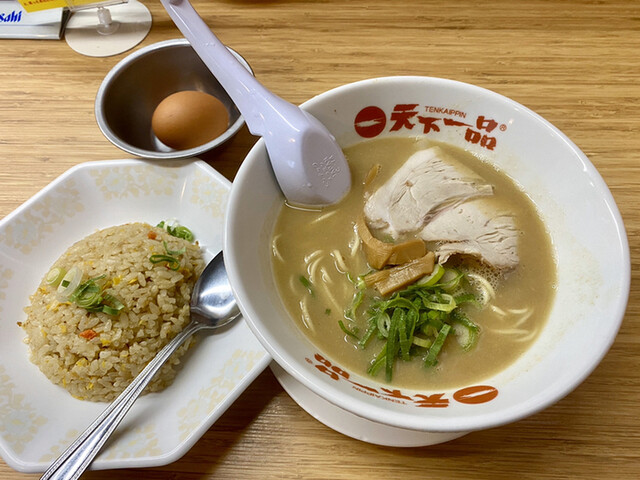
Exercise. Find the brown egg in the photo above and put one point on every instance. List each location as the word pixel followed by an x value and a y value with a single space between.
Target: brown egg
pixel 189 119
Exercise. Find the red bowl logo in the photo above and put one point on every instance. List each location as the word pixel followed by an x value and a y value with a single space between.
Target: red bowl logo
pixel 372 121
pixel 473 395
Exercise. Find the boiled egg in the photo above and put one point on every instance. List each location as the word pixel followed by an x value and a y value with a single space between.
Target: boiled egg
pixel 188 119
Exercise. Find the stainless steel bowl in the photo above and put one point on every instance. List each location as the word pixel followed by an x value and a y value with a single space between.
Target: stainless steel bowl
pixel 131 91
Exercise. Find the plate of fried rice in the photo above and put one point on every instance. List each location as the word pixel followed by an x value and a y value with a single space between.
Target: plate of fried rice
pixel 95 278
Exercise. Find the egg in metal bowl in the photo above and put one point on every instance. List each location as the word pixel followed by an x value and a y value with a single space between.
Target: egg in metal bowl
pixel 158 74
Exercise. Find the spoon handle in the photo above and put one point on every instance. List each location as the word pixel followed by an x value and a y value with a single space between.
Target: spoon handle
pixel 260 107
pixel 75 459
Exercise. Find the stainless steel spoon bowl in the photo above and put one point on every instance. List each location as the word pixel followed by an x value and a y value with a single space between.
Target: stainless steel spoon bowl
pixel 212 306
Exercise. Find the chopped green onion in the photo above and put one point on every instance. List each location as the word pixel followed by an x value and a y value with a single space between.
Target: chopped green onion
pixel 90 295
pixel 383 324
pixel 55 276
pixel 184 233
pixel 432 357
pixel 392 343
pixel 415 319
pixel 178 231
pixel 379 361
pixel 433 278
pixel 69 283
pixel 174 253
pixel 422 342
pixel 466 331
pixel 110 305
pixel 431 329
pixel 466 298
pixel 450 279
pixel 306 283
pixel 435 318
pixel 371 330
pixel 109 310
pixel 357 301
pixel 351 333
pixel 406 333
pixel 172 262
pixel 404 343
pixel 445 303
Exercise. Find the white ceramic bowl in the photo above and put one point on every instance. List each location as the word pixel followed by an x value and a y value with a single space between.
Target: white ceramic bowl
pixel 587 233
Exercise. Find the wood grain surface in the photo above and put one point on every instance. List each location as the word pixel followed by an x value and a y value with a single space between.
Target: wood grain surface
pixel 576 63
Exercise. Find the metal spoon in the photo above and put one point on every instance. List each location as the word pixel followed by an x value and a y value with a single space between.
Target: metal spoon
pixel 212 306
pixel 306 159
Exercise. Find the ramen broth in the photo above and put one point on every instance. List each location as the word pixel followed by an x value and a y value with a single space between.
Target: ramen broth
pixel 317 254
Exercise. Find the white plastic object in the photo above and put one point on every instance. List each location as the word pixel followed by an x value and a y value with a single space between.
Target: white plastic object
pixel 306 159
pixel 97 31
pixel 107 26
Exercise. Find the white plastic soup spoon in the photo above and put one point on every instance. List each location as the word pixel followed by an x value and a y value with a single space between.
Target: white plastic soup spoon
pixel 308 163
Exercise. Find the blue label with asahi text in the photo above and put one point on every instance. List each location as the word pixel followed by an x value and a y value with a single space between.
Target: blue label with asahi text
pixel 11 17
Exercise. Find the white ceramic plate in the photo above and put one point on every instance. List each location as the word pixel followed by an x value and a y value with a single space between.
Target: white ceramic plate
pixel 38 419
pixel 352 425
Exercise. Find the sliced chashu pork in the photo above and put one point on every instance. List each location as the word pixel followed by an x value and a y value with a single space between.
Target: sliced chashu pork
pixel 474 228
pixel 440 200
pixel 427 183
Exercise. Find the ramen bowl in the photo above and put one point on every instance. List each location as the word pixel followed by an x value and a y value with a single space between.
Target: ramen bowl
pixel 588 243
pixel 132 90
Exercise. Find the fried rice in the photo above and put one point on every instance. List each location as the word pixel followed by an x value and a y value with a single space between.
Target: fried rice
pixel 95 355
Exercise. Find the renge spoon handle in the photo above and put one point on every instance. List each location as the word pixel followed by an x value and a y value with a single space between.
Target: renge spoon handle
pixel 309 165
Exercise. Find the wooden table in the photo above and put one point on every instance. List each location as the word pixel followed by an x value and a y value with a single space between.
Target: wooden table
pixel 577 63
